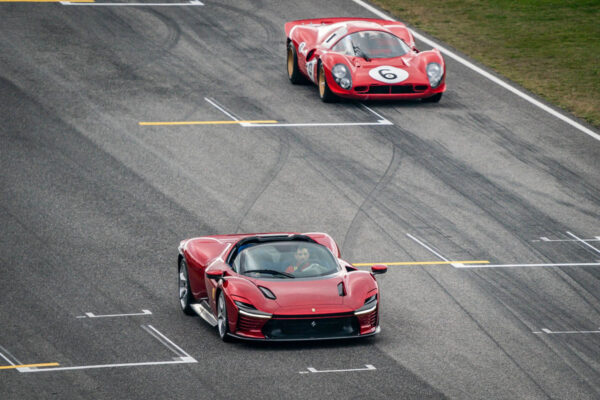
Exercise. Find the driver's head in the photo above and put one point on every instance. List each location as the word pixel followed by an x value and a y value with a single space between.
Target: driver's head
pixel 301 255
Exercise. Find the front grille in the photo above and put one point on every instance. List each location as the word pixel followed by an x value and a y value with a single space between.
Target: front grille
pixel 309 328
pixel 248 323
pixel 395 89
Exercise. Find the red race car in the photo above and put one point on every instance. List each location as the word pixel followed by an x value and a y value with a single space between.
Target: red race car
pixel 362 58
pixel 281 286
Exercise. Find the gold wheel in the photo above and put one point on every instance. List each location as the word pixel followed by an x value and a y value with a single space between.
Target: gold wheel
pixel 321 82
pixel 290 61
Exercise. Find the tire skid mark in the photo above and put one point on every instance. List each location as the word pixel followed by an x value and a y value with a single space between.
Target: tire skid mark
pixel 270 176
pixel 381 184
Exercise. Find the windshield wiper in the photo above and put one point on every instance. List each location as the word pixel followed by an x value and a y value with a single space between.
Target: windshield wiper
pixel 359 52
pixel 272 272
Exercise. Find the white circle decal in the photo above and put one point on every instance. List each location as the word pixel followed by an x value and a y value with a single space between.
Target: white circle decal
pixel 387 74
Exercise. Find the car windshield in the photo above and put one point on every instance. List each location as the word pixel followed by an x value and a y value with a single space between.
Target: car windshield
pixel 371 44
pixel 285 260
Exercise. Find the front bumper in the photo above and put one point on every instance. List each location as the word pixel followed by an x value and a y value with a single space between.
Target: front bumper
pixel 303 339
pixel 308 327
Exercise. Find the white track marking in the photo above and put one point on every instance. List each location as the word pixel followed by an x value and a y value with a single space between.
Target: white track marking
pixel 549 332
pixel 251 125
pixel 380 121
pixel 222 109
pixel 169 341
pixel 7 359
pixel 458 265
pixel 312 370
pixel 191 3
pixel 584 242
pixel 487 75
pixel 428 248
pixel 545 239
pixel 92 315
pixel 8 356
pixel 181 360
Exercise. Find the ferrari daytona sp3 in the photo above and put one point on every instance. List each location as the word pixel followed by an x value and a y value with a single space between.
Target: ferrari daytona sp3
pixel 277 287
pixel 362 58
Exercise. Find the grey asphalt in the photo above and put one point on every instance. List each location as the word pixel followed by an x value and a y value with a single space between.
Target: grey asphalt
pixel 93 206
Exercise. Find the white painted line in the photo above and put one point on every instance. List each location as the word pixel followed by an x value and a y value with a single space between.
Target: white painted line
pixel 584 242
pixel 92 315
pixel 312 370
pixel 526 265
pixel 381 119
pixel 179 349
pixel 222 109
pixel 549 332
pixel 191 3
pixel 428 248
pixel 487 75
pixel 7 359
pixel 252 125
pixel 182 360
pixel 545 239
pixel 7 356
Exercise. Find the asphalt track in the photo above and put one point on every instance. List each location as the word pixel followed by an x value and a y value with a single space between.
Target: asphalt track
pixel 93 206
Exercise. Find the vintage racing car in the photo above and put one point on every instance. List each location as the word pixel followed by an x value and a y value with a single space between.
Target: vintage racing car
pixel 282 286
pixel 362 58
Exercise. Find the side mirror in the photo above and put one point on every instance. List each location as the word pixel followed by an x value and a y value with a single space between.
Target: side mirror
pixel 216 274
pixel 379 269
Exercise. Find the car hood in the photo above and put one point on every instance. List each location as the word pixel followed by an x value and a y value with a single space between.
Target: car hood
pixel 294 293
pixel 408 70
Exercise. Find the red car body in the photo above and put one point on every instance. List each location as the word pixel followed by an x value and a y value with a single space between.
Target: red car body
pixel 301 310
pixel 313 41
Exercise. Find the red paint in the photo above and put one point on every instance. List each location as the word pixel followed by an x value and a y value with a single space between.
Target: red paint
pixel 312 299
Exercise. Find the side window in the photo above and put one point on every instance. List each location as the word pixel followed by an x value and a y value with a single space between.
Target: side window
pixel 344 46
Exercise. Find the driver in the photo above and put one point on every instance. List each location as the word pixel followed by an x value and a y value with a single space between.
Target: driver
pixel 302 255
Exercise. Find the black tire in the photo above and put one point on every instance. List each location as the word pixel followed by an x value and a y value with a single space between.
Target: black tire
pixel 222 320
pixel 433 99
pixel 292 65
pixel 325 93
pixel 185 293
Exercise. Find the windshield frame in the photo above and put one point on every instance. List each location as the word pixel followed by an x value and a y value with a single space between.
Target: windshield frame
pixel 312 246
pixel 366 51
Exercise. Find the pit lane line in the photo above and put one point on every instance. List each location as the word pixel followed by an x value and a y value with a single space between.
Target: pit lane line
pixel 92 315
pixel 549 332
pixel 312 370
pixel 267 123
pixel 409 263
pixel 182 357
pixel 486 74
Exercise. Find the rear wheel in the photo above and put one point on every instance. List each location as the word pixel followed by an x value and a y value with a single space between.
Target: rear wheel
pixel 222 321
pixel 292 65
pixel 324 92
pixel 185 294
pixel 433 99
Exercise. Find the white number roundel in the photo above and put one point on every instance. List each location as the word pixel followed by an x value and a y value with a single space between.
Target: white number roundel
pixel 387 74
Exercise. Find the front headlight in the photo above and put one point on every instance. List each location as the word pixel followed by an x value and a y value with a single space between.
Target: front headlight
pixel 435 74
pixel 370 305
pixel 250 311
pixel 341 74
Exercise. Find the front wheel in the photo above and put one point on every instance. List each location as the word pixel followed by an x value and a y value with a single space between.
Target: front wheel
pixel 325 93
pixel 433 99
pixel 222 321
pixel 185 293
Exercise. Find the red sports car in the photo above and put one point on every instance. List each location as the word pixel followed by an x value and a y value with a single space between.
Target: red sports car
pixel 277 286
pixel 362 58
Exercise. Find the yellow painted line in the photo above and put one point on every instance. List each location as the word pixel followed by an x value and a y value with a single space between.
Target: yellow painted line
pixel 422 263
pixel 206 122
pixel 29 365
pixel 46 1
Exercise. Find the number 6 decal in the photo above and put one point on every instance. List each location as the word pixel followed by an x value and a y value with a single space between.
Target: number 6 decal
pixel 388 74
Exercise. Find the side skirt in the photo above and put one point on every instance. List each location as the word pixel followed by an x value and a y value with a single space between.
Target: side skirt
pixel 204 311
